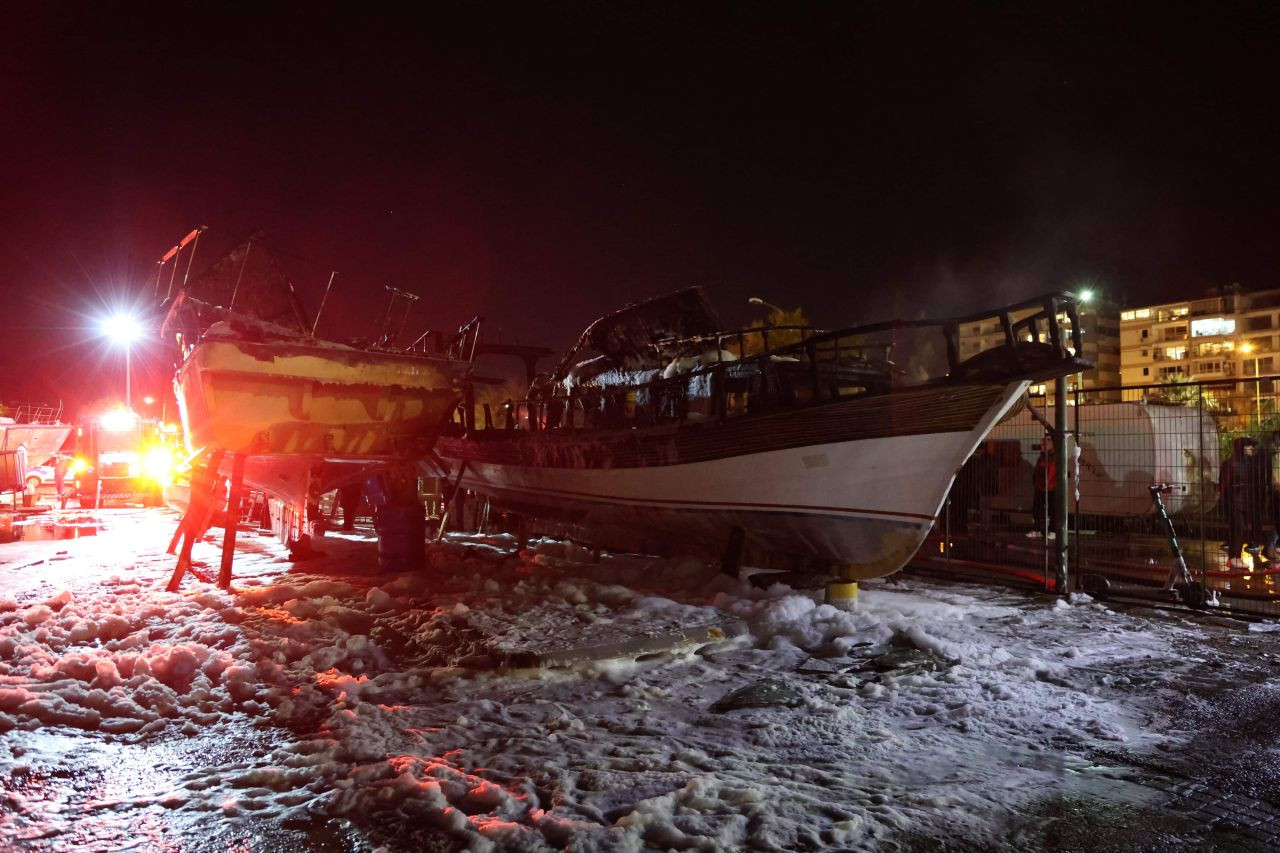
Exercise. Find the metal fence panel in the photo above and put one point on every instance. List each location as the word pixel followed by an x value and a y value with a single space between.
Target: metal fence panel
pixel 1217 445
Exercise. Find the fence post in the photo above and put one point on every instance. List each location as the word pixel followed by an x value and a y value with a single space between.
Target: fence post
pixel 946 527
pixel 1204 557
pixel 1077 456
pixel 1060 487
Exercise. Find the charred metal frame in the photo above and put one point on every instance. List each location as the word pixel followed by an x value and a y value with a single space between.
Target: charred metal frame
pixel 821 366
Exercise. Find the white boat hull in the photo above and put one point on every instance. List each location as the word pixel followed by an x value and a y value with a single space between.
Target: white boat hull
pixel 867 503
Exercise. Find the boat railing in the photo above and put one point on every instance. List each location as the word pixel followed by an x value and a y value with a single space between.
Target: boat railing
pixel 725 378
pixel 33 413
pixel 458 347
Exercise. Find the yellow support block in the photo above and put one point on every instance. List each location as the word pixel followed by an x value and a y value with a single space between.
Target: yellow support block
pixel 842 594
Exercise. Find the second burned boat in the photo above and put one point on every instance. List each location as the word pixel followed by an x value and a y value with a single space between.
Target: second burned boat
pixel 303 415
pixel 838 446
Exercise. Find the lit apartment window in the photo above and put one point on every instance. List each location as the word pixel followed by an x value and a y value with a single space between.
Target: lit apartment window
pixel 1143 314
pixel 1128 315
pixel 1211 326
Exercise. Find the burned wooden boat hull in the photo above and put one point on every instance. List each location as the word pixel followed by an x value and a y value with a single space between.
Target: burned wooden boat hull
pixel 860 483
pixel 832 447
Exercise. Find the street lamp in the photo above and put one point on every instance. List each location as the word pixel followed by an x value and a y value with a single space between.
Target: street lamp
pixel 756 300
pixel 123 329
pixel 1247 348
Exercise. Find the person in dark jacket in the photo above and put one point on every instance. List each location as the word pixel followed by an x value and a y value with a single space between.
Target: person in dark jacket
pixel 1273 496
pixel 349 499
pixel 977 479
pixel 1244 482
pixel 62 465
pixel 1044 481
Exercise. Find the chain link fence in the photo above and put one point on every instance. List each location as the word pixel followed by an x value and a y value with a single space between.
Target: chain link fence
pixel 1216 446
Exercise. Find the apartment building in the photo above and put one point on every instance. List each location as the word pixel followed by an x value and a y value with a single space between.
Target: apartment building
pixel 1100 325
pixel 1219 338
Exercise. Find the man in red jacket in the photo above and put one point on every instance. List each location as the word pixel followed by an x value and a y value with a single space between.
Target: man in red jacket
pixel 1044 481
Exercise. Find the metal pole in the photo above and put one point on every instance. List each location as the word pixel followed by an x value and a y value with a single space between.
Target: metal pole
pixel 946 528
pixel 128 399
pixel 323 300
pixel 1060 496
pixel 1257 391
pixel 232 521
pixel 244 263
pixel 1204 559
pixel 1077 456
pixel 186 276
pixel 173 273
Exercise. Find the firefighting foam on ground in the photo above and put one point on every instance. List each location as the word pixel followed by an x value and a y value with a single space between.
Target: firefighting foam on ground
pixel 325 705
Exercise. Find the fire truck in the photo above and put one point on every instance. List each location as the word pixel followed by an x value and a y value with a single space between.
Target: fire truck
pixel 124 458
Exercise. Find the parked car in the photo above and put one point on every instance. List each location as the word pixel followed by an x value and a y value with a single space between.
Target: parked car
pixel 42 475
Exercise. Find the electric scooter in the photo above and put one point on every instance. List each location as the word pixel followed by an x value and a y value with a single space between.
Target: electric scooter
pixel 1179 586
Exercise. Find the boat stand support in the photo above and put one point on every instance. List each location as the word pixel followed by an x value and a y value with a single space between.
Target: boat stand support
pixel 206 488
pixel 842 591
pixel 399 519
pixel 731 559
pixel 232 522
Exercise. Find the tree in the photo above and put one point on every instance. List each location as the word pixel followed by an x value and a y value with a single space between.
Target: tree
pixel 1181 389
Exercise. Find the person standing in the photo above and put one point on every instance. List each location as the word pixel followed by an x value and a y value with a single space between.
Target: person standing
pixel 1244 482
pixel 61 466
pixel 349 498
pixel 976 480
pixel 1273 494
pixel 1044 482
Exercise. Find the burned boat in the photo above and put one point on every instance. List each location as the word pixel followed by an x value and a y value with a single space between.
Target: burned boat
pixel 29 435
pixel 300 415
pixel 838 446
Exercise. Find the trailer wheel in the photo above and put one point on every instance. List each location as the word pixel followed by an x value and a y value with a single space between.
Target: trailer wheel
pixel 1096 586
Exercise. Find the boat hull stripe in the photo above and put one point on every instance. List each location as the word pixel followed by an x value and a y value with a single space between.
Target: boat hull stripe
pixel 744 505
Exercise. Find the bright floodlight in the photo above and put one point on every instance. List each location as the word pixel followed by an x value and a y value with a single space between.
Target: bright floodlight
pixel 122 328
pixel 1246 348
pixel 1086 295
pixel 118 420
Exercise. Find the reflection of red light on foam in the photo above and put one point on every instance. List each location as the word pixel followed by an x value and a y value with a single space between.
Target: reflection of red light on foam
pixel 489 823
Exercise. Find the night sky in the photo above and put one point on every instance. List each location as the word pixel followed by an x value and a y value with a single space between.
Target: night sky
pixel 541 164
